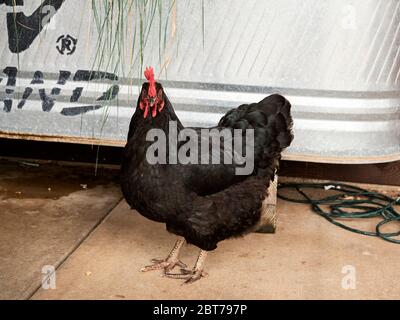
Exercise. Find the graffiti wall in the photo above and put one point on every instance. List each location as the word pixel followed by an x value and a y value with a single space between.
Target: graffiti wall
pixel 48 74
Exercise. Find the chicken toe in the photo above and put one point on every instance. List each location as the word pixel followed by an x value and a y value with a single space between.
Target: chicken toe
pixel 189 276
pixel 166 264
pixel 193 275
pixel 170 262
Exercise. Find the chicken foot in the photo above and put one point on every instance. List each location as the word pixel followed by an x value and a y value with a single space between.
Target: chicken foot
pixel 193 275
pixel 170 262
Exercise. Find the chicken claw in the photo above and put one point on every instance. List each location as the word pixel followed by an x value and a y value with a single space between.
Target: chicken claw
pixel 193 275
pixel 190 276
pixel 166 264
pixel 170 262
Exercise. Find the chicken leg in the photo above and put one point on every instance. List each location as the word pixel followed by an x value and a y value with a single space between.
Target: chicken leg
pixel 170 262
pixel 193 275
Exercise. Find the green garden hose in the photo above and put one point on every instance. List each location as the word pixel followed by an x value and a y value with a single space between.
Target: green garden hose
pixel 349 202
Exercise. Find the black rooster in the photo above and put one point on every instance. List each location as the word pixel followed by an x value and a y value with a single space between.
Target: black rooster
pixel 201 203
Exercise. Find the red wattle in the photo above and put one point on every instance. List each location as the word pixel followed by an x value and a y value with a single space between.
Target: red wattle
pixel 146 111
pixel 161 106
pixel 154 112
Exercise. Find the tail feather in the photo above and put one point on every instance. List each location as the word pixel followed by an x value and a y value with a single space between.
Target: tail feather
pixel 272 123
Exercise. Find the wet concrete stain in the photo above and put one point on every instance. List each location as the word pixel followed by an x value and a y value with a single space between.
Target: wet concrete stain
pixel 45 181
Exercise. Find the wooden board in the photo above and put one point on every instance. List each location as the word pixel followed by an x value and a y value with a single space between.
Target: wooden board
pixel 379 173
pixel 267 222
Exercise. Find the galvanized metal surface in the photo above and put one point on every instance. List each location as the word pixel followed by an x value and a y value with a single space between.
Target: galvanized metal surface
pixel 337 61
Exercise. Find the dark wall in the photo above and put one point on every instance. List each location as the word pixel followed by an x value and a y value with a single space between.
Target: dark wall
pixel 383 173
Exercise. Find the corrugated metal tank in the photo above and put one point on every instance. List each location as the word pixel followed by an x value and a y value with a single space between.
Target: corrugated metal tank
pixel 337 61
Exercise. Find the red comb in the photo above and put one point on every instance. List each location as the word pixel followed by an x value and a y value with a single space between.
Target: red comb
pixel 149 74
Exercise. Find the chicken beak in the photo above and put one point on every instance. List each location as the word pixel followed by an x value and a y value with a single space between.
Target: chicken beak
pixel 152 101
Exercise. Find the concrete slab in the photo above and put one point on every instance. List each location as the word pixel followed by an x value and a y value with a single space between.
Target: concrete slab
pixel 307 258
pixel 45 212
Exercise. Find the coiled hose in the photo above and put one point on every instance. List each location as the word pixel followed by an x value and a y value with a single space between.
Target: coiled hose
pixel 350 203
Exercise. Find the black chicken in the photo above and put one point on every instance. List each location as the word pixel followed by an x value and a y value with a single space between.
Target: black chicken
pixel 201 203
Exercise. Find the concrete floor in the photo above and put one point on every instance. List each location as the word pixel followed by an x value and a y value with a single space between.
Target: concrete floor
pixel 45 212
pixel 307 258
